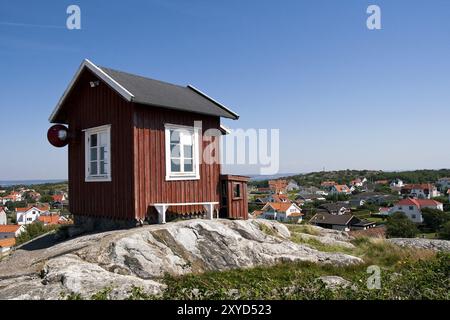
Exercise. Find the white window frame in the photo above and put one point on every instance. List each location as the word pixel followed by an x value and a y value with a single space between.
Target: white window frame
pixel 87 163
pixel 174 176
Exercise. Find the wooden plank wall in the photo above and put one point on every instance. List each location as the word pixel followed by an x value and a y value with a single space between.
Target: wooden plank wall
pixel 85 108
pixel 149 163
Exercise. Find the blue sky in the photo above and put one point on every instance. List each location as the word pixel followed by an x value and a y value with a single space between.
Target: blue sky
pixel 342 96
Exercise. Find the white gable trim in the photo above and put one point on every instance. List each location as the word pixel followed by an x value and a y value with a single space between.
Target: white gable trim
pixel 99 73
pixel 212 100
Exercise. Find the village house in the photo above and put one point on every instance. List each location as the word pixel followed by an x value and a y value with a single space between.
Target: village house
pixel 358 182
pixel 278 198
pixel 412 208
pixel 53 219
pixel 328 184
pixel 6 245
pixel 3 216
pixel 292 186
pixel 372 198
pixel 345 222
pixel 36 196
pixel 10 231
pixel 59 198
pixel 264 190
pixel 137 149
pixel 311 190
pixel 421 191
pixel 336 208
pixel 357 202
pixel 12 197
pixel 444 184
pixel 310 197
pixel 397 183
pixel 283 212
pixel 278 186
pixel 340 189
pixel 384 211
pixel 30 214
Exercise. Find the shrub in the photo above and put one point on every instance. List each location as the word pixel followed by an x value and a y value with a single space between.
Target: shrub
pixel 434 219
pixel 399 225
pixel 444 233
pixel 34 230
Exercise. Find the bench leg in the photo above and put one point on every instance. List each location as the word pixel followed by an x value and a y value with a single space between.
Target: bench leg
pixel 209 211
pixel 161 213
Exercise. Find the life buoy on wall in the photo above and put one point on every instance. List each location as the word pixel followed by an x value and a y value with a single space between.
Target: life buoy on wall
pixel 58 135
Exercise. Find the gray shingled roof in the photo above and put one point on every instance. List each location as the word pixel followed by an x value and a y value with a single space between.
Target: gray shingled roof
pixel 157 93
pixel 326 218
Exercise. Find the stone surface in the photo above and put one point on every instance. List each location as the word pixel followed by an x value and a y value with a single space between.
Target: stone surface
pixel 335 282
pixel 140 257
pixel 431 244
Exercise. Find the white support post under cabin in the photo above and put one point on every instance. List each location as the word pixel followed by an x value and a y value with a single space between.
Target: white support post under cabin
pixel 162 208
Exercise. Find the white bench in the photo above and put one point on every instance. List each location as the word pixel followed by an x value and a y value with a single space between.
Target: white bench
pixel 162 208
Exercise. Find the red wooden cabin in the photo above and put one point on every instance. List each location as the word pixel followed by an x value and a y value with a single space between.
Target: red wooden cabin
pixel 136 150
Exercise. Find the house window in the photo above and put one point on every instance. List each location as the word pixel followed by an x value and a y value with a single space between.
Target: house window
pixel 411 208
pixel 98 153
pixel 413 216
pixel 182 151
pixel 236 190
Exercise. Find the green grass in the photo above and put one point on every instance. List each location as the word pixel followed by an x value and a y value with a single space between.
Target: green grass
pixel 428 235
pixel 305 228
pixel 420 279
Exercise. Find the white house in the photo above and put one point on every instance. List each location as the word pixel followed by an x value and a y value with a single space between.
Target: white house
pixel 30 214
pixel 10 231
pixel 443 183
pixel 340 189
pixel 358 182
pixel 421 191
pixel 3 217
pixel 6 245
pixel 292 185
pixel 397 183
pixel 412 208
pixel 283 212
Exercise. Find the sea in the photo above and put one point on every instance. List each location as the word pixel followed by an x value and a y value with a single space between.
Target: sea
pixel 9 183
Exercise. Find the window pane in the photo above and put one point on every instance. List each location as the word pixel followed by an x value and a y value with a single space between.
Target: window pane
pixel 103 139
pixel 93 154
pixel 174 150
pixel 175 165
pixel 237 190
pixel 94 168
pixel 175 136
pixel 188 165
pixel 93 140
pixel 103 167
pixel 102 153
pixel 188 151
pixel 186 137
